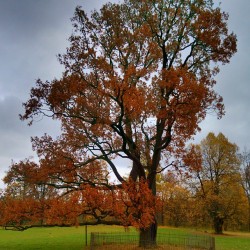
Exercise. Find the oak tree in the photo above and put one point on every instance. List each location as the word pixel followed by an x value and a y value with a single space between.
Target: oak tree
pixel 138 80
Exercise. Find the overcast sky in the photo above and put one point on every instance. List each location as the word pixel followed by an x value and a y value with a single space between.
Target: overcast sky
pixel 33 32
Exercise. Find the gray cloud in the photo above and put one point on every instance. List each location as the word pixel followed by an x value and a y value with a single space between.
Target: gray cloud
pixel 15 135
pixel 233 81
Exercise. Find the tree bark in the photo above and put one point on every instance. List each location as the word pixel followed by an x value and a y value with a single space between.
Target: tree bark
pixel 248 214
pixel 148 236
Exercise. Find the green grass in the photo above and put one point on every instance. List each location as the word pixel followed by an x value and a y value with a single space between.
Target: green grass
pixel 43 238
pixel 233 241
pixel 54 238
pixel 73 238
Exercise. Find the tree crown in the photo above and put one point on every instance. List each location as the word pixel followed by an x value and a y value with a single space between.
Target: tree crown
pixel 138 80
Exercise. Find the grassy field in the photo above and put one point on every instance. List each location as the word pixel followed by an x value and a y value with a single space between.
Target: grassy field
pixel 233 241
pixel 73 238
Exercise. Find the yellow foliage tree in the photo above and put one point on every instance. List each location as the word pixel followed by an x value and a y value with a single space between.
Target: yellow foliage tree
pixel 214 165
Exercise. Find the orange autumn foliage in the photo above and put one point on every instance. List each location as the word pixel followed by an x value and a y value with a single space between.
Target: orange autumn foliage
pixel 131 205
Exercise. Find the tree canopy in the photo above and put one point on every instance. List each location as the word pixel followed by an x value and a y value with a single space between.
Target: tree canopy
pixel 138 80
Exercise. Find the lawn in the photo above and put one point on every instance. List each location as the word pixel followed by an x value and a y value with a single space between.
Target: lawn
pixel 73 238
pixel 233 241
pixel 43 238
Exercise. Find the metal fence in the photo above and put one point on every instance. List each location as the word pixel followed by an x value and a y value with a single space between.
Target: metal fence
pixel 129 241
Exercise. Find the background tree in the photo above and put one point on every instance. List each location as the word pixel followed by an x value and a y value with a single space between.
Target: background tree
pixel 175 201
pixel 138 80
pixel 26 196
pixel 245 172
pixel 1 203
pixel 215 166
pixel 22 183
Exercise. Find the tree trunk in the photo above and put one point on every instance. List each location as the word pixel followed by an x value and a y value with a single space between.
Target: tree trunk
pixel 218 225
pixel 248 214
pixel 148 236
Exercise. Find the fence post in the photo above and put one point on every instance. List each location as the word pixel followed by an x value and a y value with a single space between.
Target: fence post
pixel 212 243
pixel 86 235
pixel 92 240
